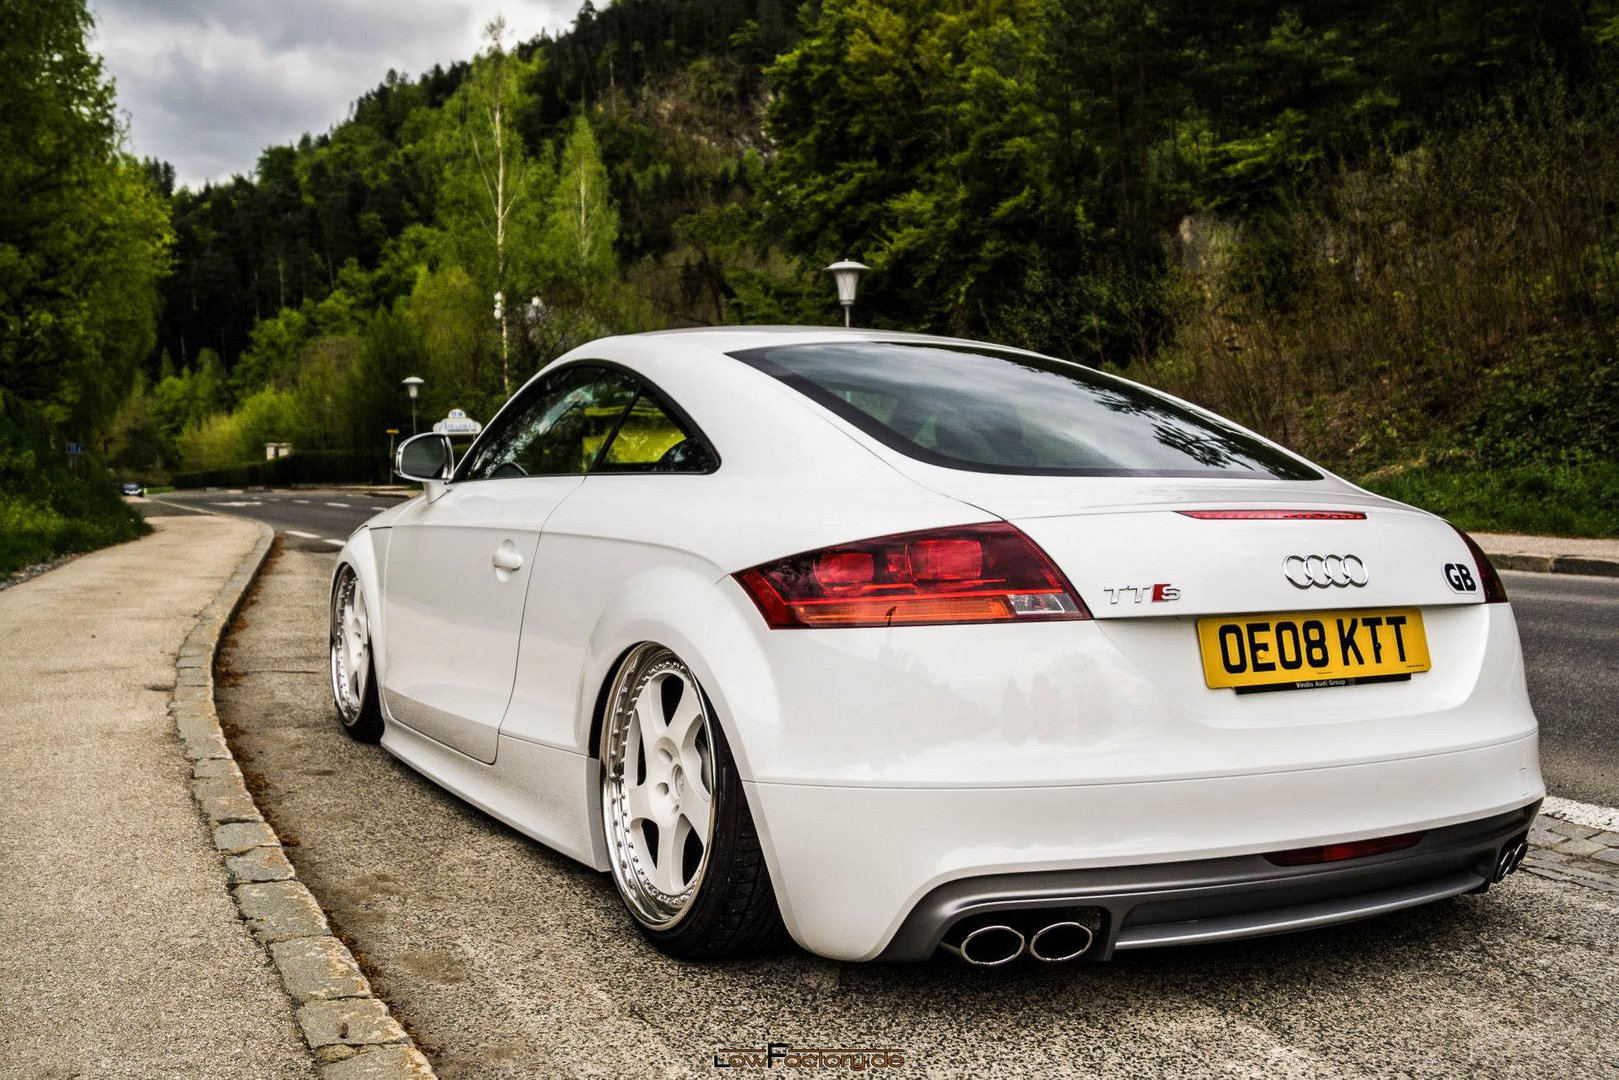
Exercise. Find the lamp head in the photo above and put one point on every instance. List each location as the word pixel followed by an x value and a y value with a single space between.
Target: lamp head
pixel 847 275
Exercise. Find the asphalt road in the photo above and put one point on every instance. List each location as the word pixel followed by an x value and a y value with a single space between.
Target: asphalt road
pixel 1569 625
pixel 506 960
pixel 307 520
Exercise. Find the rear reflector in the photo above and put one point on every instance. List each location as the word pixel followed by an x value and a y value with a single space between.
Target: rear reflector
pixel 969 574
pixel 1355 849
pixel 1274 515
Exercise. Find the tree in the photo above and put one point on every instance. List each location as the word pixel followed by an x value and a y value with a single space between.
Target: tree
pixel 490 197
pixel 83 235
pixel 909 137
pixel 583 226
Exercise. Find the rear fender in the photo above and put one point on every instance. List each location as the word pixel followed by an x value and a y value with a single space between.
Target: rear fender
pixel 704 625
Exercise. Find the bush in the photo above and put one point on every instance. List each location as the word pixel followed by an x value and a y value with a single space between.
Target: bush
pixel 46 507
pixel 319 467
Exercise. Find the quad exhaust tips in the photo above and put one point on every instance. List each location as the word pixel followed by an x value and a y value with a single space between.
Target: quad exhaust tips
pixel 1511 856
pixel 994 944
pixel 986 946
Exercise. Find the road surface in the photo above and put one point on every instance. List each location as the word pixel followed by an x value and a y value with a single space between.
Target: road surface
pixel 506 960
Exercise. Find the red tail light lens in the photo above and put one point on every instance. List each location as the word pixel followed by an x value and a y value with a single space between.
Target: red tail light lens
pixel 1355 849
pixel 1274 515
pixel 1494 591
pixel 969 574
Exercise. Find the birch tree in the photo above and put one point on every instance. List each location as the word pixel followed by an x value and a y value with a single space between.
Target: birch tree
pixel 492 193
pixel 583 224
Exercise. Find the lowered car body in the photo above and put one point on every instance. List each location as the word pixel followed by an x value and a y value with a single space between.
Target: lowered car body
pixel 937 643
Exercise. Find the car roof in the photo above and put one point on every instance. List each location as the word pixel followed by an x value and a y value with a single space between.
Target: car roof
pixel 721 340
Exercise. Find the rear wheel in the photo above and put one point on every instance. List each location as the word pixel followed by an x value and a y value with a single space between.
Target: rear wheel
pixel 354 690
pixel 684 852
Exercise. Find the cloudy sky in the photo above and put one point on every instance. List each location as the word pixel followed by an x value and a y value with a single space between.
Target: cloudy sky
pixel 207 84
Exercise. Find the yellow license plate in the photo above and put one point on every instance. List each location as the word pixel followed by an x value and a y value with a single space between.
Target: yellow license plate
pixel 1311 648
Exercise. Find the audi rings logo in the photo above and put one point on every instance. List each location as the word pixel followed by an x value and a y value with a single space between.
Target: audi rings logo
pixel 1325 571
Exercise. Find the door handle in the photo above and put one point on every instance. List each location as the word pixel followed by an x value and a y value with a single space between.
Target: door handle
pixel 507 558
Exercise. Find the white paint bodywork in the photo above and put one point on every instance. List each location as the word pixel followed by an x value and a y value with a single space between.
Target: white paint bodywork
pixel 879 763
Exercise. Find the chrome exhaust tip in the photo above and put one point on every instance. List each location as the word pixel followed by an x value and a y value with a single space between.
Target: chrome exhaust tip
pixel 1511 858
pixel 987 946
pixel 1061 942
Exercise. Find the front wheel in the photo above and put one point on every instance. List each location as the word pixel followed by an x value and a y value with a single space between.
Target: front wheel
pixel 354 690
pixel 684 852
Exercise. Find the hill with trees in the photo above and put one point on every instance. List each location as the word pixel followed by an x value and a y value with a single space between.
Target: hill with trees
pixel 1383 234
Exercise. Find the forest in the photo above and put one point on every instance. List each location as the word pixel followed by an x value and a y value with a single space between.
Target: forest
pixel 1383 233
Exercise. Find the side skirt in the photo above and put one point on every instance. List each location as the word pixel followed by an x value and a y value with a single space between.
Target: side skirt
pixel 542 792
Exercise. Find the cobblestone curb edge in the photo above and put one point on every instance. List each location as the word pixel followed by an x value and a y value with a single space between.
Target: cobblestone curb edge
pixel 1579 854
pixel 349 1031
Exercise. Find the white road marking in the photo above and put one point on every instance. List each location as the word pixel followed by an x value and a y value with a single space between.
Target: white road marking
pixel 301 535
pixel 304 501
pixel 377 509
pixel 336 543
pixel 1580 813
pixel 341 506
pixel 244 502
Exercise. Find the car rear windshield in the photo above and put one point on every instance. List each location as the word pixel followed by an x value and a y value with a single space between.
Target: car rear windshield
pixel 985 410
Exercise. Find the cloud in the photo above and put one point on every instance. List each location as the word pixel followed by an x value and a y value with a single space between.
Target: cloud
pixel 208 84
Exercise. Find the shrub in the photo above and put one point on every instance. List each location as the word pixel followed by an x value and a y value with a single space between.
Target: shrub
pixel 318 467
pixel 49 507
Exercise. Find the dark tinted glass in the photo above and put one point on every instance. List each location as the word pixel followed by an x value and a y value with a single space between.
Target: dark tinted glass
pixel 990 411
pixel 556 429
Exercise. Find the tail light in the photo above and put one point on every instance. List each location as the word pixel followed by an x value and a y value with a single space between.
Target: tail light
pixel 1489 581
pixel 968 574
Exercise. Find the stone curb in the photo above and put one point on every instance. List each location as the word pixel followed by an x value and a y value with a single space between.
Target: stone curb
pixel 1554 564
pixel 349 1031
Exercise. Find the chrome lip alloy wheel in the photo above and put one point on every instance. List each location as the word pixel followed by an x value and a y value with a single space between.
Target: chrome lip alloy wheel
pixel 351 647
pixel 658 785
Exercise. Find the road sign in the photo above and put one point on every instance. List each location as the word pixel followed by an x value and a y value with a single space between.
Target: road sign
pixel 392 431
pixel 458 423
pixel 75 448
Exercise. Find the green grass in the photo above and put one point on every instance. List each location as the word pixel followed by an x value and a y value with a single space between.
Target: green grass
pixel 50 506
pixel 1543 500
pixel 33 532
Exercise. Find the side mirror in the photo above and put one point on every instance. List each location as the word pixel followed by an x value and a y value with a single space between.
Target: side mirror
pixel 425 458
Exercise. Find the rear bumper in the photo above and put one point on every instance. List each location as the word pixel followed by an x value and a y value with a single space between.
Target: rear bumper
pixel 1210 900
pixel 852 865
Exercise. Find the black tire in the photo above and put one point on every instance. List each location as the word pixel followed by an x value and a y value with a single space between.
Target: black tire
pixel 733 910
pixel 367 727
pixel 363 724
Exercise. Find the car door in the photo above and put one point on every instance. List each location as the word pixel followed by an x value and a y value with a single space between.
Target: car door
pixel 459 567
pixel 614 528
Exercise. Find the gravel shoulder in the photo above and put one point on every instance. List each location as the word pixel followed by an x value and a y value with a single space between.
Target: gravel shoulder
pixel 505 960
pixel 121 953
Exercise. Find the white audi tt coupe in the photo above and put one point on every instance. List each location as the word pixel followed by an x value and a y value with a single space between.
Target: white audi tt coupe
pixel 895 644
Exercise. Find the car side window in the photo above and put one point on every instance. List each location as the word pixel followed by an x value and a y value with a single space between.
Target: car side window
pixel 651 439
pixel 557 429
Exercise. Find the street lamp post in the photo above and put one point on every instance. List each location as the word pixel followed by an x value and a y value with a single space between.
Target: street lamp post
pixel 413 387
pixel 505 342
pixel 847 275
